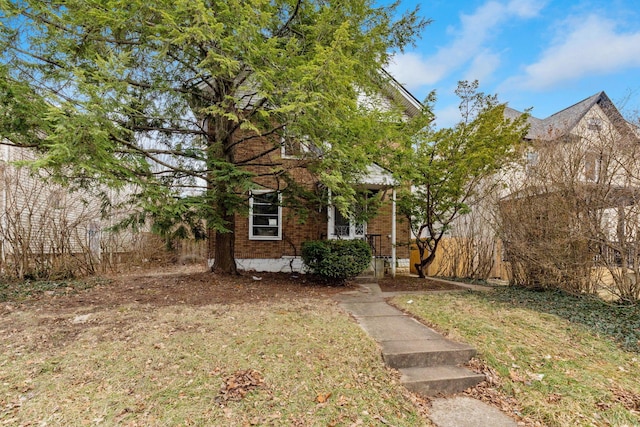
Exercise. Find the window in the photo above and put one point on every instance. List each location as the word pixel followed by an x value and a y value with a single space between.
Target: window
pixel 594 124
pixel 265 216
pixel 293 147
pixel 592 165
pixel 353 226
pixel 531 162
pixel 344 227
pixel 57 199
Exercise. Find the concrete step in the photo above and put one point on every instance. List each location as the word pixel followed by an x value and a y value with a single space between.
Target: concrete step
pixel 364 278
pixel 439 379
pixel 396 328
pixel 424 353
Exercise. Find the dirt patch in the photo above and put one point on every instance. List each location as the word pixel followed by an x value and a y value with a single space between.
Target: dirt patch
pixel 61 316
pixel 411 284
pixel 189 287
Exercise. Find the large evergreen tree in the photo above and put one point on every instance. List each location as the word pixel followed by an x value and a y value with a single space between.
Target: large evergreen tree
pixel 164 94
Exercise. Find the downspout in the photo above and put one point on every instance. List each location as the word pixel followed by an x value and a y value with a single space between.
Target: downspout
pixel 393 233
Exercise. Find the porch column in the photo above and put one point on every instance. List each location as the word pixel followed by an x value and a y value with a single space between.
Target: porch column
pixel 393 233
pixel 329 215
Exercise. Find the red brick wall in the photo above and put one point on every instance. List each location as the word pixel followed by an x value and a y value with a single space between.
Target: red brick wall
pixel 381 224
pixel 295 233
pixel 314 228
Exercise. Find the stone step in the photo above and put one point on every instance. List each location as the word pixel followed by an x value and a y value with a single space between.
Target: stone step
pixel 424 353
pixel 433 380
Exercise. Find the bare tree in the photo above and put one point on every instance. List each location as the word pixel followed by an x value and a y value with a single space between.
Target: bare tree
pixel 572 220
pixel 48 231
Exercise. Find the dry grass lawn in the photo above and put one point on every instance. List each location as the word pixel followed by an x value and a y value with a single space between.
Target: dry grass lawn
pixel 557 372
pixel 192 349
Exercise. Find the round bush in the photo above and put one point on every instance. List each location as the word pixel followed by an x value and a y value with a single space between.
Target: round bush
pixel 336 259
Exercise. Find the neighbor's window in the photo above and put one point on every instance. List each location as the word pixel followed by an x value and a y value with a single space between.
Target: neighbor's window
pixel 592 166
pixel 265 218
pixel 57 199
pixel 531 163
pixel 594 124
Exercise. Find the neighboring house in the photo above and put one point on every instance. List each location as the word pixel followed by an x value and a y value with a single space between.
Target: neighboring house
pixel 589 145
pixel 577 191
pixel 45 229
pixel 270 238
pixel 574 197
pixel 592 126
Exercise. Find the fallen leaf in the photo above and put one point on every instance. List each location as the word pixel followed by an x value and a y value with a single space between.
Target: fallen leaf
pixel 554 398
pixel 236 386
pixel 628 399
pixel 515 376
pixel 323 397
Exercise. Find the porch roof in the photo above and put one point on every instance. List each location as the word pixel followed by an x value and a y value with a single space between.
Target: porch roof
pixel 377 177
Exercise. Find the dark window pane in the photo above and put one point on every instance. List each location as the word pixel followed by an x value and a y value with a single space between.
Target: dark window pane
pixel 265 220
pixel 266 198
pixel 265 209
pixel 265 231
pixel 341 220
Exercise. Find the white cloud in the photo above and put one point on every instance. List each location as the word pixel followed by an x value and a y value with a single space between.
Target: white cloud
pixel 591 46
pixel 525 8
pixel 482 66
pixel 448 116
pixel 415 70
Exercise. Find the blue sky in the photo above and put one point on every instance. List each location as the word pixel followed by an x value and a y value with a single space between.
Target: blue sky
pixel 546 55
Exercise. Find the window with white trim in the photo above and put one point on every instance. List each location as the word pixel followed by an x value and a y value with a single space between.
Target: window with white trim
pixel 345 227
pixel 592 166
pixel 293 146
pixel 265 215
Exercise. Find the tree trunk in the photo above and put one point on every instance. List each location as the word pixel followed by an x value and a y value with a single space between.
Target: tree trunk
pixel 422 266
pixel 224 260
pixel 425 262
pixel 221 143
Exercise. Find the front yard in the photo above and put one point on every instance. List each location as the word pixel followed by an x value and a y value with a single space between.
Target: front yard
pixel 553 355
pixel 187 348
pixel 192 349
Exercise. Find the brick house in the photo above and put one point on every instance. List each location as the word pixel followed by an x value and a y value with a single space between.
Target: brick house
pixel 271 236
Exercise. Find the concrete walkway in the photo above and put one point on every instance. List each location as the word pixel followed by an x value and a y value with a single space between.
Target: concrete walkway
pixel 428 363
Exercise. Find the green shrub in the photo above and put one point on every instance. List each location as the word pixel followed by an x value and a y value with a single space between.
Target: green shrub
pixel 336 259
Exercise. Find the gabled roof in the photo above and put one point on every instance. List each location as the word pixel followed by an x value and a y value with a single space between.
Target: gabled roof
pixel 564 121
pixel 535 124
pixel 400 94
pixel 390 89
